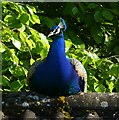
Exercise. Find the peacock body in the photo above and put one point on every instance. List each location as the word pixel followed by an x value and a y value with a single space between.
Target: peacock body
pixel 57 75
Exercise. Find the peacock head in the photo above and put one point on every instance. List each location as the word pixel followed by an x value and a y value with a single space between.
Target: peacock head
pixel 57 31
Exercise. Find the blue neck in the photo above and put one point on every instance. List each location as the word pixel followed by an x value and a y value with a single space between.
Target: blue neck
pixel 57 49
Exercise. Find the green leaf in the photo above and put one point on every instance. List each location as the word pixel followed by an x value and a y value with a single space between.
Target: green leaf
pixel 116 49
pixel 16 71
pixel 22 28
pixel 9 18
pixel 107 14
pixel 22 36
pixel 82 7
pixel 100 88
pixel 111 86
pixel 25 70
pixel 16 43
pixel 32 61
pixel 10 55
pixel 115 11
pixel 81 46
pixel 5 81
pixel 40 49
pixel 92 55
pixel 47 21
pixel 114 70
pixel 35 18
pixel 117 85
pixel 23 39
pixel 98 16
pixel 15 6
pixel 24 18
pixel 6 35
pixel 43 38
pixel 35 35
pixel 68 45
pixel 68 9
pixel 12 21
pixel 16 86
pixel 29 43
pixel 32 8
pixel 4 3
pixel 17 37
pixel 97 34
pixel 2 48
pixel 75 10
pixel 92 5
pixel 15 24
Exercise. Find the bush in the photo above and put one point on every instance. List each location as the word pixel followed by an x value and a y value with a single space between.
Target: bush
pixel 91 37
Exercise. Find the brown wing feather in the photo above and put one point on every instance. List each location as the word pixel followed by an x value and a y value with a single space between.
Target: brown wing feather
pixel 79 68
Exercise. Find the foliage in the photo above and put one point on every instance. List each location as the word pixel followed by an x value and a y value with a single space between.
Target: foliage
pixel 91 36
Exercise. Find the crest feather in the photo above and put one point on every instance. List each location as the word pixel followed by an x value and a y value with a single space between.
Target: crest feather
pixel 62 24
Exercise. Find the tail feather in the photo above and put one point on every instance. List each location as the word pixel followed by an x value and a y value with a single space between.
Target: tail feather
pixel 79 68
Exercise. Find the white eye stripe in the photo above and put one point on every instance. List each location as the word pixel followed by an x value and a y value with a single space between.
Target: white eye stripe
pixel 56 31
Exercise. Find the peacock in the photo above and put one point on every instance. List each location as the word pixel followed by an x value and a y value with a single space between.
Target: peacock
pixel 57 75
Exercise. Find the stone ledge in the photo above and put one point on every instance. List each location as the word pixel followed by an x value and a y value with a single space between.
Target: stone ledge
pixel 82 105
